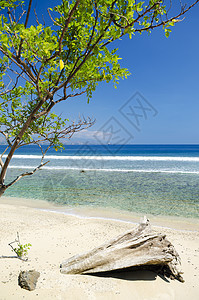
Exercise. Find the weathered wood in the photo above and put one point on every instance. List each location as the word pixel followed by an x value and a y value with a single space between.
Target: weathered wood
pixel 138 248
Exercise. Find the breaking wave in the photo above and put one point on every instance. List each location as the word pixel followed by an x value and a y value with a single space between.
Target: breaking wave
pixel 109 170
pixel 119 158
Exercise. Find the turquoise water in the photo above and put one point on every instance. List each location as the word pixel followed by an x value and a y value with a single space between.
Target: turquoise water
pixel 158 180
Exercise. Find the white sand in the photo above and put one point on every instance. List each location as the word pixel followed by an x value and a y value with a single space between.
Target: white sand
pixel 56 237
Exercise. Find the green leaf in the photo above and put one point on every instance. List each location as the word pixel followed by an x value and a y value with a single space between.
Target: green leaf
pixel 61 64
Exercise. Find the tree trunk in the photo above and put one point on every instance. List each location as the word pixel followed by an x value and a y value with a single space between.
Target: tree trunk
pixel 140 248
pixel 17 141
pixel 2 190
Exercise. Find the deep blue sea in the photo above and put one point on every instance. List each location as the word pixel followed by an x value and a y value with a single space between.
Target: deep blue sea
pixel 153 179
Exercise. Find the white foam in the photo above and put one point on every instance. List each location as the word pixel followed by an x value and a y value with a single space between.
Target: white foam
pixel 109 170
pixel 127 158
pixel 79 216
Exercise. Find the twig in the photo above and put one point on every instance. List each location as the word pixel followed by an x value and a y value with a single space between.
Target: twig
pixel 25 25
pixel 14 249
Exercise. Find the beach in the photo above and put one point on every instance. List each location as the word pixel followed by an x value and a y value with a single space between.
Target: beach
pixel 56 236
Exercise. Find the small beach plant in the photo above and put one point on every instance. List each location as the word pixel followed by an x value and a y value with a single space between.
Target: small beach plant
pixel 20 249
pixel 49 58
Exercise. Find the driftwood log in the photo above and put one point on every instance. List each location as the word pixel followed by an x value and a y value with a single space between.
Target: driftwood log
pixel 140 248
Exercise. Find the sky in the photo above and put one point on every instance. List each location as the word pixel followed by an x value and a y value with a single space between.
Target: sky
pixel 165 72
pixel 159 102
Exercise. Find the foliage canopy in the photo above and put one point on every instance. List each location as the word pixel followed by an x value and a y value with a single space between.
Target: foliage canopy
pixel 43 64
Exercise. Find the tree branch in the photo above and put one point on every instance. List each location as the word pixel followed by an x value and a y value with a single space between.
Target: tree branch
pixel 22 65
pixel 19 137
pixel 25 25
pixel 86 56
pixel 64 30
pixel 26 174
pixel 167 21
pixel 69 96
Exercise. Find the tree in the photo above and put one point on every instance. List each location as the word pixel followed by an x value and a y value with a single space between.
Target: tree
pixel 43 64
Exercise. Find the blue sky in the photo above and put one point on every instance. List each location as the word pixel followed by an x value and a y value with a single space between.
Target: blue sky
pixel 164 78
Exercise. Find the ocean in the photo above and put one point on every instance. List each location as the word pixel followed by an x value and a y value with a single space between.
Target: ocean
pixel 148 179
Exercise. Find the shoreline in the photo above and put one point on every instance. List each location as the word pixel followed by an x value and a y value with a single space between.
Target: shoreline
pixel 105 213
pixel 56 236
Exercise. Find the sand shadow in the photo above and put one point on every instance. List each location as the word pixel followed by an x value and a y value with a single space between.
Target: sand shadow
pixel 131 274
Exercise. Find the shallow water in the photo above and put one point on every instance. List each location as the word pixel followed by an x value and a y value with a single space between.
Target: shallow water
pixel 156 180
